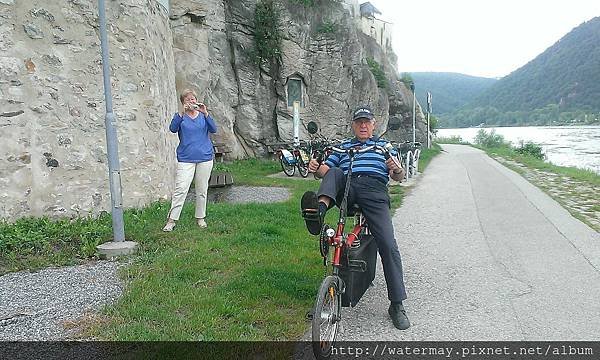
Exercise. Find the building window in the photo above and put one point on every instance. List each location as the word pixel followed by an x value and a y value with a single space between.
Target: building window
pixel 294 92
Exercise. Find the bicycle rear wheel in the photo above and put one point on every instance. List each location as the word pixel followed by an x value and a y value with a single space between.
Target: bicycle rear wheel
pixel 325 321
pixel 287 168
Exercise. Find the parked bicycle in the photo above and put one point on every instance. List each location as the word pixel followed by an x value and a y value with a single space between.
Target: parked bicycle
pixel 318 143
pixel 298 158
pixel 405 152
pixel 353 261
pixel 409 154
pixel 416 156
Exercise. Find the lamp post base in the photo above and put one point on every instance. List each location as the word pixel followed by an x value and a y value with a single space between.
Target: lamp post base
pixel 114 249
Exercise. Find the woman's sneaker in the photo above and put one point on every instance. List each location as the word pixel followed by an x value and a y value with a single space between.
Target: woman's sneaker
pixel 202 223
pixel 169 227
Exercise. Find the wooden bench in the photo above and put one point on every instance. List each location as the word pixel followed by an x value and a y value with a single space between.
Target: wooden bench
pixel 220 150
pixel 273 148
pixel 220 180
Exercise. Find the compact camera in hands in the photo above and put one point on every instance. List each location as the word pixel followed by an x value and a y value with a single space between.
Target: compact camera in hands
pixel 196 106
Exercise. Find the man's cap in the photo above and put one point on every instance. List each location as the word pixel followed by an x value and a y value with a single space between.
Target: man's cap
pixel 362 112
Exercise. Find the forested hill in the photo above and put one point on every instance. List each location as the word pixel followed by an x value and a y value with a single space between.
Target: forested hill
pixel 561 85
pixel 449 91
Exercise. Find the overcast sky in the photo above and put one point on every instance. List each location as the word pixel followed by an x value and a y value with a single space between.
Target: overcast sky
pixel 489 38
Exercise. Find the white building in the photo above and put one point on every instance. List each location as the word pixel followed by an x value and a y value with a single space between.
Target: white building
pixel 378 29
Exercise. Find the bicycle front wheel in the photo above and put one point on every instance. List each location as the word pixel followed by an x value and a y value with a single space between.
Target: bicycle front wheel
pixel 302 167
pixel 287 168
pixel 407 164
pixel 416 160
pixel 325 321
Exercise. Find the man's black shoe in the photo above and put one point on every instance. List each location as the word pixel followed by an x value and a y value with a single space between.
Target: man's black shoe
pixel 398 315
pixel 310 212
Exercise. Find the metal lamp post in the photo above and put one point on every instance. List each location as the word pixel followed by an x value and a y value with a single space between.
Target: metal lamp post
pixel 118 246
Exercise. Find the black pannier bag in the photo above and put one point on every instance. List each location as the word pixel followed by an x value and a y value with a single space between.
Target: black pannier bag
pixel 357 269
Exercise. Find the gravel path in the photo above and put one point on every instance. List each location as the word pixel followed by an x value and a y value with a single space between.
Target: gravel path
pixel 41 305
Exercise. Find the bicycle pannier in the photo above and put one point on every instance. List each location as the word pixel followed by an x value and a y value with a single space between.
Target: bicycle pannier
pixel 357 269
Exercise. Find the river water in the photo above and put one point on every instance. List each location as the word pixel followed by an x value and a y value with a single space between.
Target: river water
pixel 577 146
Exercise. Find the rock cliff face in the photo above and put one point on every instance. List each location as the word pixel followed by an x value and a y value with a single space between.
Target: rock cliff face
pixel 53 154
pixel 53 158
pixel 322 47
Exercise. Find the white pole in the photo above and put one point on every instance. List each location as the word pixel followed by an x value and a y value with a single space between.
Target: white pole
pixel 414 123
pixel 428 132
pixel 428 114
pixel 296 123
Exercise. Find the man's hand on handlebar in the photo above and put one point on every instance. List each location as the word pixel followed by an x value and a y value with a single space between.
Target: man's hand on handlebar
pixel 396 171
pixel 313 165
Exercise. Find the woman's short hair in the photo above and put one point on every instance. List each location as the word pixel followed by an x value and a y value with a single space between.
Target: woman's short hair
pixel 185 93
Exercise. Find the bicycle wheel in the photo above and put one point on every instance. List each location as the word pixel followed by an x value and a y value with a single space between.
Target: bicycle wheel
pixel 407 162
pixel 288 169
pixel 416 160
pixel 325 321
pixel 302 167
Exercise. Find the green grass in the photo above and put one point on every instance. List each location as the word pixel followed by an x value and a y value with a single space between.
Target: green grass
pixel 451 140
pixel 427 155
pixel 251 275
pixel 32 243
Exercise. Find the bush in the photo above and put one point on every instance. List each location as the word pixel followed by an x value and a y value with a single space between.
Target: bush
pixel 407 79
pixel 327 27
pixel 267 37
pixel 531 149
pixel 454 139
pixel 305 3
pixel 490 140
pixel 378 73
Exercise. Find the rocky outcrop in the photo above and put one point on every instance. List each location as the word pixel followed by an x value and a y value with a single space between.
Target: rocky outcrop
pixel 322 45
pixel 53 154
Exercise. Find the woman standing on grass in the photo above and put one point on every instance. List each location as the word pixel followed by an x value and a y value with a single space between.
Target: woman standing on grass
pixel 194 156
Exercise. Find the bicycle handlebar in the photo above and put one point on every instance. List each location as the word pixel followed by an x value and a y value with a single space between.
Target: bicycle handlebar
pixel 382 149
pixel 385 150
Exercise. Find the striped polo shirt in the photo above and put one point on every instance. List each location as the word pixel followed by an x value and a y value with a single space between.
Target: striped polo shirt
pixel 370 163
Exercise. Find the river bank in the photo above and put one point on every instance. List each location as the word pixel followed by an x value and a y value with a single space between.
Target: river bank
pixel 576 146
pixel 578 196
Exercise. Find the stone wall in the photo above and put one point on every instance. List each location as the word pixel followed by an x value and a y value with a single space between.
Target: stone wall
pixel 53 155
pixel 379 30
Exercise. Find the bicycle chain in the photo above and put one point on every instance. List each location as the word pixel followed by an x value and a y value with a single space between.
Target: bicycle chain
pixel 324 243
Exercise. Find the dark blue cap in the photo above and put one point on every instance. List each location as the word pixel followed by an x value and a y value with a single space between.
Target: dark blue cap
pixel 362 112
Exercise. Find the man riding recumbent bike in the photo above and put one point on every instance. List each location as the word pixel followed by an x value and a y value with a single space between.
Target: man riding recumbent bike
pixel 355 176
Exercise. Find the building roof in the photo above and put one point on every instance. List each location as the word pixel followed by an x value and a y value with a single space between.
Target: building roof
pixel 367 9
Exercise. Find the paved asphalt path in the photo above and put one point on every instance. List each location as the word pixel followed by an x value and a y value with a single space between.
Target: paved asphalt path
pixel 487 256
